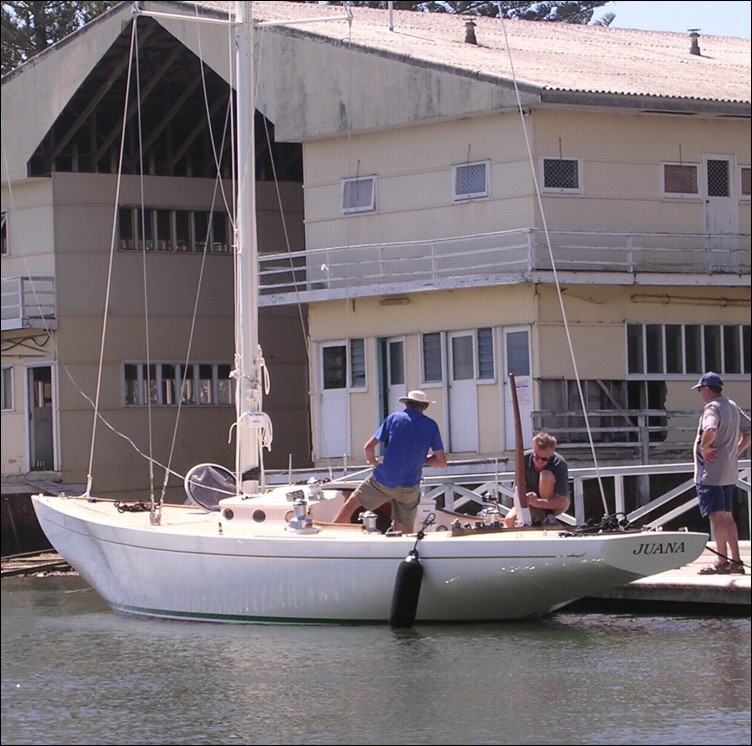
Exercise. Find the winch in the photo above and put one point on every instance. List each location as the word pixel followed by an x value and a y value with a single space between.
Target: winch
pixel 369 519
pixel 300 519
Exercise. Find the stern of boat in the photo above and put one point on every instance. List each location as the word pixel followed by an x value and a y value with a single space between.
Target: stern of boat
pixel 652 552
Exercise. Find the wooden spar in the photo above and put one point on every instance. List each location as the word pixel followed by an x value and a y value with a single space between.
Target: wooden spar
pixel 519 457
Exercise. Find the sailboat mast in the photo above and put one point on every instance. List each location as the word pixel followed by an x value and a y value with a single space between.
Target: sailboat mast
pixel 248 360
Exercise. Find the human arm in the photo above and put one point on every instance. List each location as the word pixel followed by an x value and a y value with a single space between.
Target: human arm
pixel 553 487
pixel 745 434
pixel 744 441
pixel 437 459
pixel 370 451
pixel 556 503
pixel 706 443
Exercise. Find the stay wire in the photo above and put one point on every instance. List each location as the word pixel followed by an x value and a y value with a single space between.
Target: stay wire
pixel 553 263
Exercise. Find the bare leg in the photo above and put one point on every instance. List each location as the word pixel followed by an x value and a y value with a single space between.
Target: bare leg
pixel 510 517
pixel 726 535
pixel 546 484
pixel 345 513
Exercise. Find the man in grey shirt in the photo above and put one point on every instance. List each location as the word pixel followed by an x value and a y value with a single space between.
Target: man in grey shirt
pixel 722 434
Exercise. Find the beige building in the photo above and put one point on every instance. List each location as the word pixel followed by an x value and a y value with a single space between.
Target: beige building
pixel 568 204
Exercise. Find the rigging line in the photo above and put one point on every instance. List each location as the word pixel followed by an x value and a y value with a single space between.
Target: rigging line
pixel 298 302
pixel 117 432
pixel 218 187
pixel 144 276
pixel 108 287
pixel 217 156
pixel 553 263
pixel 349 302
pixel 57 357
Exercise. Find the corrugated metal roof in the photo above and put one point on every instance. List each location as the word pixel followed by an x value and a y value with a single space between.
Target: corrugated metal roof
pixel 543 55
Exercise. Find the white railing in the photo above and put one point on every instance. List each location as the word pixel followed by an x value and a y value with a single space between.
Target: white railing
pixel 493 258
pixel 627 489
pixel 28 303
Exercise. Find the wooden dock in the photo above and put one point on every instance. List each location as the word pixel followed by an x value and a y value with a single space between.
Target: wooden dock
pixel 40 563
pixel 684 589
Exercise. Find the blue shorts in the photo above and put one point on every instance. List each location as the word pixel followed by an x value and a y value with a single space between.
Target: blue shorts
pixel 715 498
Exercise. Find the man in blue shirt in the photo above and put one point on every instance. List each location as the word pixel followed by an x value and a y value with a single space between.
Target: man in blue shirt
pixel 411 440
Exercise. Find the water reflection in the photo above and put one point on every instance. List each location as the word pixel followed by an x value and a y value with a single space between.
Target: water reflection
pixel 75 673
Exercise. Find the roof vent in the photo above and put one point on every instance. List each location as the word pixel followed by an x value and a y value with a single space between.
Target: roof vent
pixel 695 46
pixel 470 32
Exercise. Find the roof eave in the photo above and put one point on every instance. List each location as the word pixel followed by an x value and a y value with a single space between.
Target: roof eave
pixel 645 103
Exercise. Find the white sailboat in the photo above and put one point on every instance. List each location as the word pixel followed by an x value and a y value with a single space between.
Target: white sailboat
pixel 274 555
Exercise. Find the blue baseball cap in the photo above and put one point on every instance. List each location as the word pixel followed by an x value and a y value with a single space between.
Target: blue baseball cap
pixel 709 379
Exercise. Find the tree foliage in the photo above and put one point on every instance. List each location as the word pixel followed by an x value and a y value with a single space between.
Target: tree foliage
pixel 30 27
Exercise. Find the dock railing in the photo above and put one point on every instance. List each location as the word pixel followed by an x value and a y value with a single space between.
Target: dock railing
pixel 627 490
pixel 622 486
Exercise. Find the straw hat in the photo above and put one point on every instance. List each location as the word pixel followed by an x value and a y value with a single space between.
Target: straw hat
pixel 416 396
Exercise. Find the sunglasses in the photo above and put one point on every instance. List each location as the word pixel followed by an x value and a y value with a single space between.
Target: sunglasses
pixel 536 457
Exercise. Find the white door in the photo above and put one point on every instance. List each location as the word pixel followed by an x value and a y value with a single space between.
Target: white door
pixel 463 393
pixel 333 437
pixel 517 361
pixel 395 373
pixel 721 211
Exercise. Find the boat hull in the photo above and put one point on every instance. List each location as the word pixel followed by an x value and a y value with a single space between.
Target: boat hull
pixel 198 566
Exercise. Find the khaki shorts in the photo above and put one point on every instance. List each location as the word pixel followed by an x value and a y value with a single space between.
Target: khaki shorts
pixel 372 494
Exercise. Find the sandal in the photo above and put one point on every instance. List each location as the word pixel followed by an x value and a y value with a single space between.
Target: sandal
pixel 722 569
pixel 736 568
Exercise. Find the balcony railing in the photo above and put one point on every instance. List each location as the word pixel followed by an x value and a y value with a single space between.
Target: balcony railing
pixel 28 303
pixel 506 257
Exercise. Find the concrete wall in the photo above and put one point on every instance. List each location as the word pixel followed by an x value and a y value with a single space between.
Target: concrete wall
pixel 71 215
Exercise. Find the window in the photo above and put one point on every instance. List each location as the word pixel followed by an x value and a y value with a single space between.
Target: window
pixel 160 383
pixel 470 181
pixel 335 367
pixel 432 358
pixel 145 228
pixel 719 181
pixel 220 240
pixel 468 351
pixel 126 240
pixel 359 195
pixel 201 231
pixel 562 176
pixel 174 230
pixel 5 233
pixel 680 180
pixel 357 364
pixel 687 349
pixel 184 240
pixel 674 348
pixel 745 185
pixel 462 357
pixel 164 230
pixel 7 388
pixel 485 354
